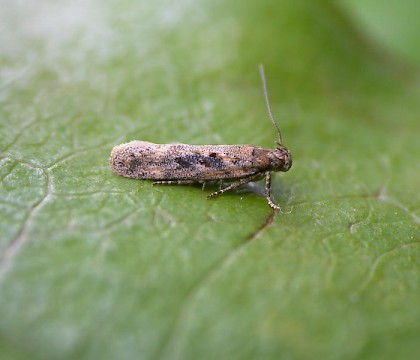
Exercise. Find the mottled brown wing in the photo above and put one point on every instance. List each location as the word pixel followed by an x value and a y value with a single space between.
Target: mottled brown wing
pixel 145 160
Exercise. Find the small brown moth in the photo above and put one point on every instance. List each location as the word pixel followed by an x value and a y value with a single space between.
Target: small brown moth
pixel 187 164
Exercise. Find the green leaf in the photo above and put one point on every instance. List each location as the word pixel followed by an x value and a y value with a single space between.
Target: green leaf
pixel 96 266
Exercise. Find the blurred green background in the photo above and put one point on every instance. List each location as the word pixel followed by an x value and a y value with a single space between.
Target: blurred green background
pixel 96 266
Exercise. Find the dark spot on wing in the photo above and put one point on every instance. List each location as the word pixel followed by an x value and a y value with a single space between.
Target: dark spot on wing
pixel 184 161
pixel 212 161
pixel 191 161
pixel 135 164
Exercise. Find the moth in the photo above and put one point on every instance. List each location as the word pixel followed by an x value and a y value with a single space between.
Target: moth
pixel 182 164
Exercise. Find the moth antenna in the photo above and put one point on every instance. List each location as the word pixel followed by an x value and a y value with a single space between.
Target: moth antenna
pixel 264 81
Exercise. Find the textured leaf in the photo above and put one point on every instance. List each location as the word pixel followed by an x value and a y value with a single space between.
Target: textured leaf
pixel 96 266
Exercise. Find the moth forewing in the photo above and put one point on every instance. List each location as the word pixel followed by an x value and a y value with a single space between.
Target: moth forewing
pixel 188 164
pixel 145 160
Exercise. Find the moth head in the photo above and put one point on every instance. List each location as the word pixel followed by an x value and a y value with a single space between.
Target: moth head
pixel 280 158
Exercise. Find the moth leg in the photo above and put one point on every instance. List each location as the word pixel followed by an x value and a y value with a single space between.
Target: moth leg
pixel 174 182
pixel 228 188
pixel 220 184
pixel 204 182
pixel 234 185
pixel 267 191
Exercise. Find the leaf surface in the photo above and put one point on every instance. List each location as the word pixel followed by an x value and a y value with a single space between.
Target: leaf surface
pixel 93 265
